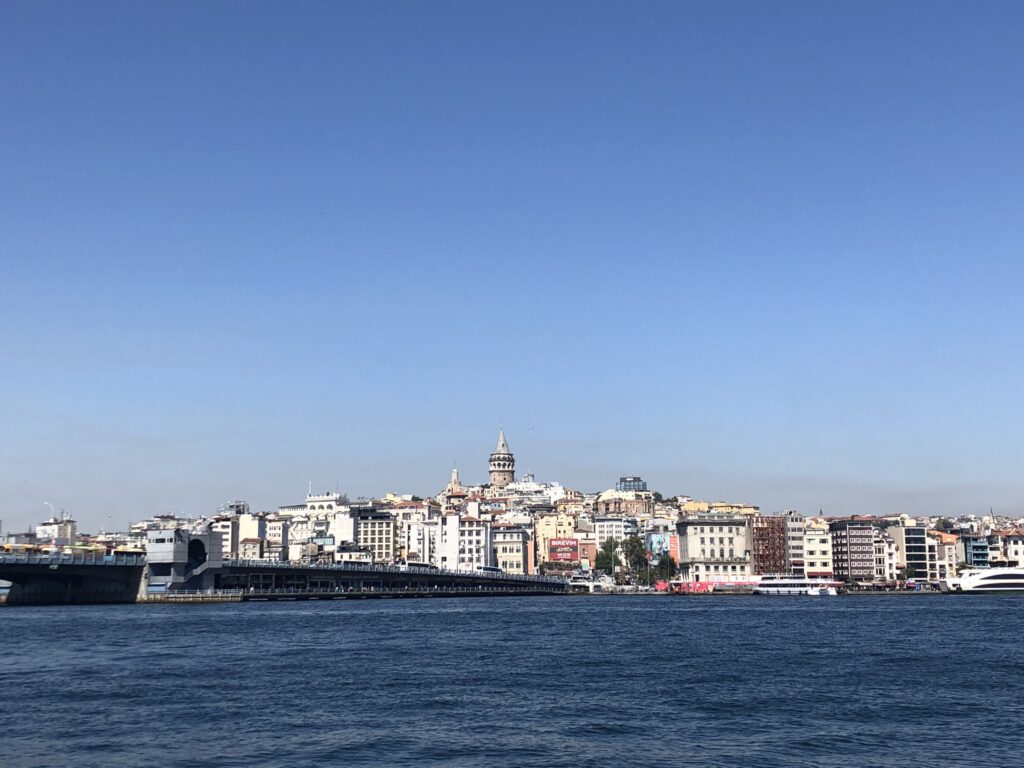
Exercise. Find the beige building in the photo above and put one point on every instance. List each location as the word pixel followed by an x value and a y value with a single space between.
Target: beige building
pixel 694 507
pixel 715 548
pixel 513 549
pixel 1013 545
pixel 817 549
pixel 558 525
pixel 251 549
pixel 614 503
pixel 375 531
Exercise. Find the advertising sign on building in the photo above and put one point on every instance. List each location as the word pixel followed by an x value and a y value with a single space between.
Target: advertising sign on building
pixel 658 546
pixel 563 549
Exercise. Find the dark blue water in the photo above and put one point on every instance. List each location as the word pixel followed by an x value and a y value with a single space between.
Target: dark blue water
pixel 588 681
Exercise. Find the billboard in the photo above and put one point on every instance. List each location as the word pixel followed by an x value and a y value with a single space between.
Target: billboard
pixel 658 546
pixel 564 549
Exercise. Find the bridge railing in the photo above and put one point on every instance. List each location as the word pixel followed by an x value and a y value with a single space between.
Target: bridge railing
pixel 341 590
pixel 56 558
pixel 391 570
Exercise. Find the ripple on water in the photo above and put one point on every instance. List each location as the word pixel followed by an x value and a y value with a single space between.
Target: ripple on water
pixel 514 682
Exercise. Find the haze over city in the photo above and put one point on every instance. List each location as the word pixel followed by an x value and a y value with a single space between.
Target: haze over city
pixel 764 254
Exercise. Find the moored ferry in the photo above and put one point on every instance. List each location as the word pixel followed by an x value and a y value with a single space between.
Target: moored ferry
pixel 785 584
pixel 986 580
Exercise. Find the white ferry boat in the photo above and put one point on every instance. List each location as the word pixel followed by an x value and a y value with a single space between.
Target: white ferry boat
pixel 990 580
pixel 783 584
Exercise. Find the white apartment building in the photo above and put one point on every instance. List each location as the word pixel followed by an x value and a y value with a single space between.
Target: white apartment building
pixel 817 550
pixel 277 531
pixel 714 548
pixel 57 530
pixel 615 528
pixel 421 541
pixel 884 553
pixel 466 543
pixel 795 523
pixel 228 530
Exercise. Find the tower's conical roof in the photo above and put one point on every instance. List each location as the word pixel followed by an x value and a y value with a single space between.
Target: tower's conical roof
pixel 502 446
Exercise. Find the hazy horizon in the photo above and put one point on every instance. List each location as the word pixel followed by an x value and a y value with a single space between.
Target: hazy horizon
pixel 761 253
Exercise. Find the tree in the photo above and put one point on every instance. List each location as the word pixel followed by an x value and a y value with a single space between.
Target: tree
pixel 607 558
pixel 635 552
pixel 663 570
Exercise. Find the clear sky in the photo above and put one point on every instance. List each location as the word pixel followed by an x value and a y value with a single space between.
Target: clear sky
pixel 765 252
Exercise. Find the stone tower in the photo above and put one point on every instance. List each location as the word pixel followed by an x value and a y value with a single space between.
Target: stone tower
pixel 502 463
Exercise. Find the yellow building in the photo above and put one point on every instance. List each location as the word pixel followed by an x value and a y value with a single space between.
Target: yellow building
pixel 559 525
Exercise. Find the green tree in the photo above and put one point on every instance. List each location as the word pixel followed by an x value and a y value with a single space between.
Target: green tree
pixel 607 558
pixel 635 552
pixel 663 570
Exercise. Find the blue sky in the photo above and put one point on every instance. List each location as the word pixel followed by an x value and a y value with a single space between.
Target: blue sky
pixel 763 252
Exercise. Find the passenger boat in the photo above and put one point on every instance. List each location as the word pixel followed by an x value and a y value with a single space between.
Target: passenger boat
pixel 986 580
pixel 785 584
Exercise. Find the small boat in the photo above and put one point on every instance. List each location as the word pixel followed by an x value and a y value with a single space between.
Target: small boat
pixel 785 584
pixel 986 580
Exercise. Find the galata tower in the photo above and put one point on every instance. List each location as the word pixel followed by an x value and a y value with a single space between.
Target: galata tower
pixel 502 464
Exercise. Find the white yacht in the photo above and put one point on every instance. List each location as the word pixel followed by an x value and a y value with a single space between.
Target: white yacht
pixel 784 584
pixel 991 580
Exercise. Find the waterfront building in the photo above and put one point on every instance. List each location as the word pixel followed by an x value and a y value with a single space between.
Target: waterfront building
pixel 973 550
pixel 915 551
pixel 631 483
pixel 715 548
pixel 853 553
pixel 502 464
pixel 883 550
pixel 794 524
pixel 768 544
pixel 179 559
pixel 818 562
pixel 945 558
pixel 1013 546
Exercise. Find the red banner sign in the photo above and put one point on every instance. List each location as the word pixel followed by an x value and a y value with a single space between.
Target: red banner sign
pixel 563 549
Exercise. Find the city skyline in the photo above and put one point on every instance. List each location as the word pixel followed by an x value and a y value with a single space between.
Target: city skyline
pixel 469 478
pixel 767 254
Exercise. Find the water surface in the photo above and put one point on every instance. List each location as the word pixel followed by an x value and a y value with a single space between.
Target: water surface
pixel 581 681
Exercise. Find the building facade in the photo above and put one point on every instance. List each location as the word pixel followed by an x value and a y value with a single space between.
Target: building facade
pixel 853 553
pixel 715 548
pixel 768 544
